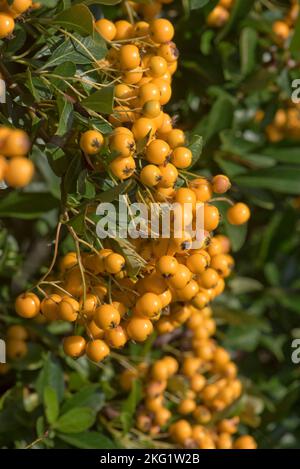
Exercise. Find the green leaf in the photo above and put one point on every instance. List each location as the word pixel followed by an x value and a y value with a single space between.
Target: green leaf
pixel 79 50
pixel 129 406
pixel 51 375
pixel 77 18
pixel 241 285
pixel 248 43
pixel 294 45
pixel 101 101
pixel 64 70
pixel 65 111
pixel 89 396
pixel 283 154
pixel 88 440
pixel 26 205
pixel 75 420
pixel 220 117
pixel 279 179
pixel 195 4
pixel 196 147
pixel 236 234
pixel 51 404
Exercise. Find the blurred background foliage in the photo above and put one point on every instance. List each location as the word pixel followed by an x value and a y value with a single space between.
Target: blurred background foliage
pixel 230 83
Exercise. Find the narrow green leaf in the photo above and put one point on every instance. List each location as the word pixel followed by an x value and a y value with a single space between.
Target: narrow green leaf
pixel 129 406
pixel 101 101
pixel 87 440
pixel 75 420
pixel 248 43
pixel 26 205
pixel 51 404
pixel 77 18
pixel 196 147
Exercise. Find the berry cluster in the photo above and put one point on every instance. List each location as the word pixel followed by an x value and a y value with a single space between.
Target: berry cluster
pixel 219 15
pixel 15 169
pixel 93 289
pixel 10 12
pixel 286 124
pixel 198 387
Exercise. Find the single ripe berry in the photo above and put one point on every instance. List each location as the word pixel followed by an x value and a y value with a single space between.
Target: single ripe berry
pixel 245 442
pixel 281 30
pixel 74 346
pixel 186 406
pixel 124 30
pixel 181 278
pixel 175 138
pixel 68 261
pixel 88 305
pixel 94 331
pixel 151 109
pixel 27 305
pixel 7 25
pixel 49 307
pixel 211 217
pixel 117 337
pixel 97 350
pixel 106 28
pixel 181 431
pixel 122 144
pixel 165 126
pixel 17 143
pixel 167 266
pixel 157 152
pixel 161 30
pixel 160 371
pixel 148 305
pixel 91 141
pixel 202 189
pixel 169 175
pixel 209 278
pixel 148 92
pixel 122 168
pixel 17 332
pixel 165 90
pixel 16 349
pixel 150 175
pixel 18 7
pixel 157 66
pixel 114 263
pixel 217 17
pixel 143 128
pixel 197 263
pixel 201 300
pixel 68 309
pixel 107 317
pixel 139 329
pixel 238 214
pixel 168 51
pixel 19 172
pixel 129 57
pixel 221 184
pixel 181 157
pixel 184 196
pixel 141 28
pixel 162 417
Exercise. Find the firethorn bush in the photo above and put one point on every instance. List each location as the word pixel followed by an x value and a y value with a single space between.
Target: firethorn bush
pixel 149 342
